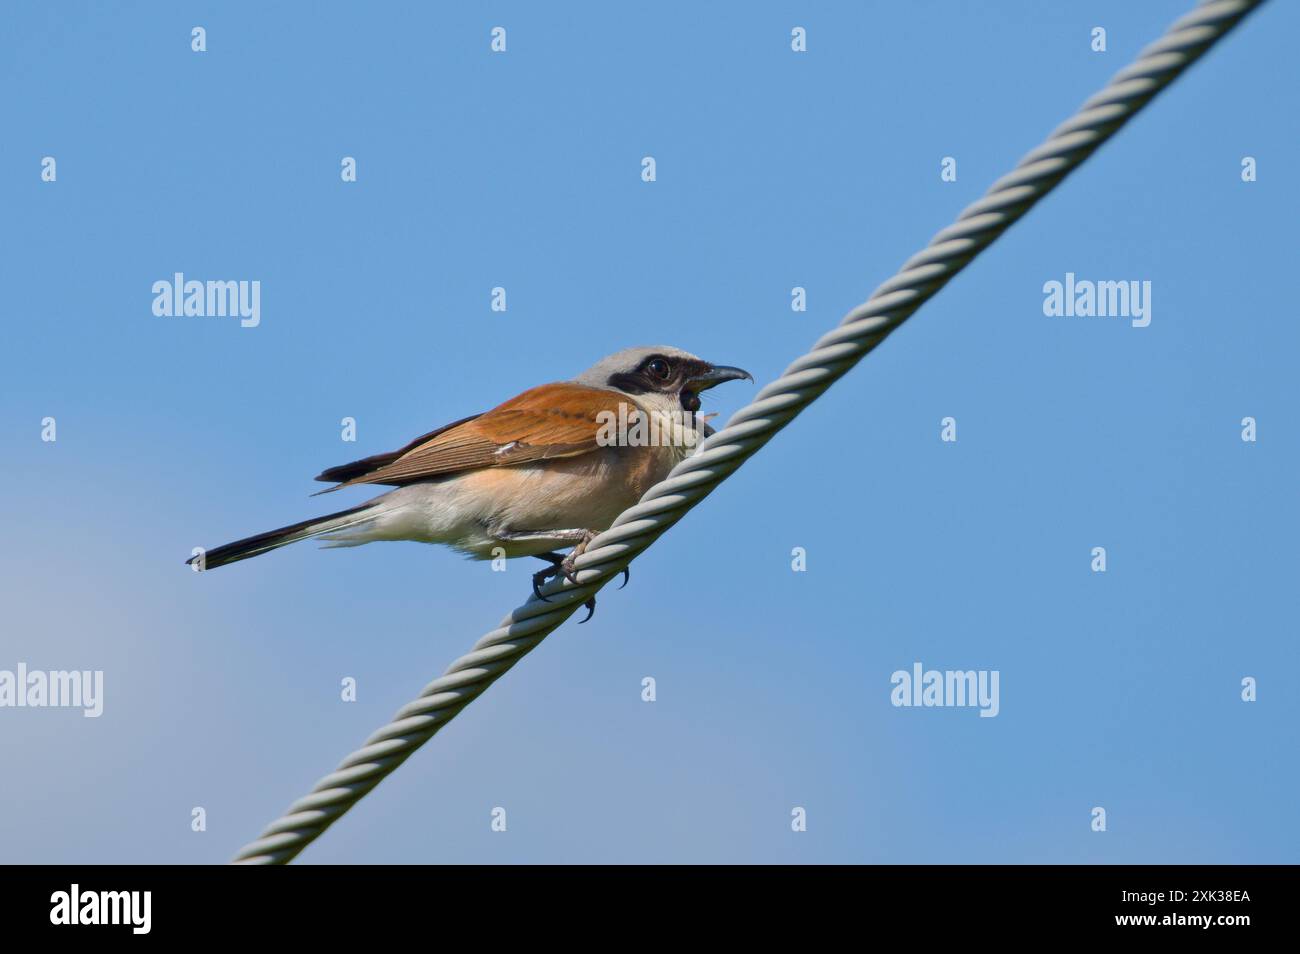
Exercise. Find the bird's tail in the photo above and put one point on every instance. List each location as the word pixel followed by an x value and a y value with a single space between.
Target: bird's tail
pixel 274 539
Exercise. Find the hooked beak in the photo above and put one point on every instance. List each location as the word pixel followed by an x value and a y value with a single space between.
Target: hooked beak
pixel 715 375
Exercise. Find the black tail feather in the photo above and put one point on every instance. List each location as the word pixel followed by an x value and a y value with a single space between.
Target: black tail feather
pixel 270 540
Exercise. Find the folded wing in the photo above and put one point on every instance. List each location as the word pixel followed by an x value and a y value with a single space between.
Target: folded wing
pixel 554 420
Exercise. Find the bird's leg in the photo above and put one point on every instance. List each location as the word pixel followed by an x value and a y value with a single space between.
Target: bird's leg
pixel 568 566
pixel 560 564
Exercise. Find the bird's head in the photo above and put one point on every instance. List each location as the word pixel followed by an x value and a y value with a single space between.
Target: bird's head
pixel 667 373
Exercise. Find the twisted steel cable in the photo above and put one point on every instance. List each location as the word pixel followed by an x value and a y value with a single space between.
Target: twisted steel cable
pixel 750 428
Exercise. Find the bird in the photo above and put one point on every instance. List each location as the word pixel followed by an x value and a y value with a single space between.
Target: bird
pixel 549 468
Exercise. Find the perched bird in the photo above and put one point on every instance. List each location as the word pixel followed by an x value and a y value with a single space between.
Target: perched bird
pixel 547 469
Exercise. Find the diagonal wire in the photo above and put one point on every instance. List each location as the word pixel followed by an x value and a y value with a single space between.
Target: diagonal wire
pixel 750 428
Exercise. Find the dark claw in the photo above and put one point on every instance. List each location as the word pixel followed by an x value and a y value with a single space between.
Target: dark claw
pixel 562 566
pixel 540 577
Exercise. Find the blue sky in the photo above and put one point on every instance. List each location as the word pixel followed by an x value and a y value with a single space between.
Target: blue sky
pixel 774 169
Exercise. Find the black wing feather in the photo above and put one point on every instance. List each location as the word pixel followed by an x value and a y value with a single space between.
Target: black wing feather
pixel 359 468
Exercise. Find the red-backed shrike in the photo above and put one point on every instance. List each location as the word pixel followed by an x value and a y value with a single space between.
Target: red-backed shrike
pixel 547 469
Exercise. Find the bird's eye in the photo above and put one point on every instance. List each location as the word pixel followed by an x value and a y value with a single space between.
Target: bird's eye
pixel 659 369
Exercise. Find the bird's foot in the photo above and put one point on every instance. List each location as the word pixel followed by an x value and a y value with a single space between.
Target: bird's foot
pixel 565 565
pixel 561 565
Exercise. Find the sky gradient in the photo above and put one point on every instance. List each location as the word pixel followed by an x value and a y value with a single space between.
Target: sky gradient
pixel 775 169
